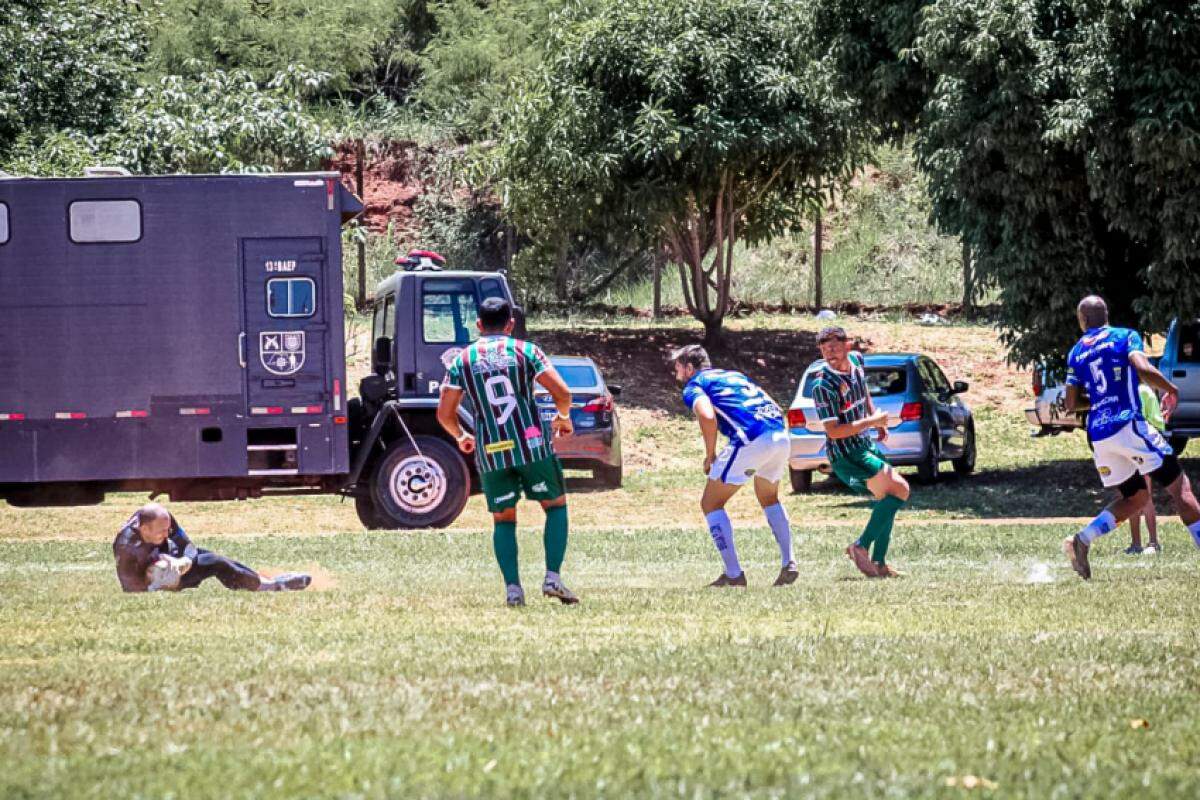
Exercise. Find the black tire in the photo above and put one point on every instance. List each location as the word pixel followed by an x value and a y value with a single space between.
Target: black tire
pixel 364 506
pixel 801 480
pixel 612 477
pixel 964 465
pixel 1178 444
pixel 927 469
pixel 428 490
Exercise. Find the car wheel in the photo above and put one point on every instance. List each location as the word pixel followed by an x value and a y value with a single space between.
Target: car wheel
pixel 1178 444
pixel 609 476
pixel 965 464
pixel 364 506
pixel 927 469
pixel 801 480
pixel 420 490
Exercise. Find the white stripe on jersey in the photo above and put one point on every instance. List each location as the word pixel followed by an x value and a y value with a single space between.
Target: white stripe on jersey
pixel 740 431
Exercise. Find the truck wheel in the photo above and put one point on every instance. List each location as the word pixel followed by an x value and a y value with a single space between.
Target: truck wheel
pixel 801 480
pixel 927 469
pixel 364 506
pixel 426 490
pixel 609 476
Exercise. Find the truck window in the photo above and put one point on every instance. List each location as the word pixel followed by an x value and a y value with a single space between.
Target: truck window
pixel 377 327
pixel 1189 343
pixel 491 287
pixel 389 317
pixel 105 221
pixel 291 297
pixel 448 312
pixel 3 223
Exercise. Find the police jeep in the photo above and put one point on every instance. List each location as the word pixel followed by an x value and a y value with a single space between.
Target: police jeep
pixel 184 335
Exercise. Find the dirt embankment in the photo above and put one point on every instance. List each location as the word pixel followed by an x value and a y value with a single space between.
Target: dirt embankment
pixel 394 178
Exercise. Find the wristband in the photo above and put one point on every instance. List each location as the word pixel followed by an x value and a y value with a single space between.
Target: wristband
pixel 566 417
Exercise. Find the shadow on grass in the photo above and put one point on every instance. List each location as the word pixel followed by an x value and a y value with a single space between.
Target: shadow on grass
pixel 1064 488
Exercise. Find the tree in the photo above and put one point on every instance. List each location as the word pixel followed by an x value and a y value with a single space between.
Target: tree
pixel 694 123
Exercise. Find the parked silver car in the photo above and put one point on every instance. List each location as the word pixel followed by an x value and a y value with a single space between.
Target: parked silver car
pixel 596 443
pixel 928 422
pixel 1049 414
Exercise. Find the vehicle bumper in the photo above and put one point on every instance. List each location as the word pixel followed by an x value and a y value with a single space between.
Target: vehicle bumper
pixel 903 448
pixel 587 448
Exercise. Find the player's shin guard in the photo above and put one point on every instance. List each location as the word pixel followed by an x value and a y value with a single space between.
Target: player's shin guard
pixel 722 535
pixel 879 526
pixel 778 520
pixel 555 537
pixel 1102 524
pixel 504 543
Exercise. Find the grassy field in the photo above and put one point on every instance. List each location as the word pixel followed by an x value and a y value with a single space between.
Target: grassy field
pixel 990 665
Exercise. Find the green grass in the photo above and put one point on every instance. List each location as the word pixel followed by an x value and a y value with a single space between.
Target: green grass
pixel 408 677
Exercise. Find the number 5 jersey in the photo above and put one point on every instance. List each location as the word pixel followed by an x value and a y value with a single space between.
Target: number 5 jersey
pixel 1099 362
pixel 497 373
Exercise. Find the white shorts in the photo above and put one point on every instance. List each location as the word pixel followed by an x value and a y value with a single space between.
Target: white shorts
pixel 1138 447
pixel 765 457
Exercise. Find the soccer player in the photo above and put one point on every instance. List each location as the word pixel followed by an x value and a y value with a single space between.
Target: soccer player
pixel 513 446
pixel 154 554
pixel 1108 363
pixel 844 407
pixel 758 448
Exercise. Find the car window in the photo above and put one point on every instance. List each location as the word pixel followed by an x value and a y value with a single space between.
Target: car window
pixel 1189 344
pixel 884 381
pixel 578 376
pixel 939 377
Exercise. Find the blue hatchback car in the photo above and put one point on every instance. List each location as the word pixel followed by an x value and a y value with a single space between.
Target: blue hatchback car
pixel 928 422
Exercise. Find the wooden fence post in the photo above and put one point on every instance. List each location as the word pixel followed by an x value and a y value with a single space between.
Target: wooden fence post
pixel 360 155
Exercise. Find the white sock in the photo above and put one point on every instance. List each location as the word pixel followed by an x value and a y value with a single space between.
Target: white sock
pixel 722 535
pixel 1194 530
pixel 552 577
pixel 1102 524
pixel 777 519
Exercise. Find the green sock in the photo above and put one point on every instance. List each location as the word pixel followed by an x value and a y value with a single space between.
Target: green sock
pixel 879 527
pixel 555 537
pixel 504 543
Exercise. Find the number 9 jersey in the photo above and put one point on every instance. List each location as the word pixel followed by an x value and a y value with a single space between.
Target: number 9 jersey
pixel 497 373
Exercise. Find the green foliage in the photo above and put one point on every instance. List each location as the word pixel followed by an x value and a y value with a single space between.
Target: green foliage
pixel 363 45
pixel 66 66
pixel 480 47
pixel 220 122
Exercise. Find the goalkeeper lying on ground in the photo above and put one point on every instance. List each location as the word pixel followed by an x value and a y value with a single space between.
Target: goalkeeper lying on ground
pixel 154 554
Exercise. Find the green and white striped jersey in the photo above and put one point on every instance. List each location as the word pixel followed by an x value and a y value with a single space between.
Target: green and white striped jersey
pixel 497 373
pixel 842 397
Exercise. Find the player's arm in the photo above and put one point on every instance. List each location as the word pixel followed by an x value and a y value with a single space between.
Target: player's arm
pixel 826 404
pixel 1150 375
pixel 553 383
pixel 447 417
pixel 881 429
pixel 131 570
pixel 706 415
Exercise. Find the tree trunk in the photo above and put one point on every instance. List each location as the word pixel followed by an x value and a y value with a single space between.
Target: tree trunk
pixel 360 156
pixel 658 265
pixel 818 288
pixel 713 333
pixel 707 234
pixel 561 273
pixel 968 281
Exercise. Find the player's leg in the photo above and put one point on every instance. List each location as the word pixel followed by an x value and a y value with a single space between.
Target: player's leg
pixel 1135 534
pixel 766 489
pixel 500 489
pixel 543 481
pixel 1150 514
pixel 891 492
pixel 1170 475
pixel 712 503
pixel 231 574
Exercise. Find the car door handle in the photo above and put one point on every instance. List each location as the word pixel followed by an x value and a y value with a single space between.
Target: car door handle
pixel 242 349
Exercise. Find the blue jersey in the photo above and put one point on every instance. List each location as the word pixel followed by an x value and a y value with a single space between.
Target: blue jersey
pixel 744 410
pixel 1099 362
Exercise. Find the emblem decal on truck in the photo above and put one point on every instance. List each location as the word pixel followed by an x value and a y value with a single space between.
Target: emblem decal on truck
pixel 281 352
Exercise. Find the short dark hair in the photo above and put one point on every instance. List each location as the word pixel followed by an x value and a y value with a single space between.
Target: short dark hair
pixel 495 313
pixel 831 332
pixel 692 355
pixel 150 513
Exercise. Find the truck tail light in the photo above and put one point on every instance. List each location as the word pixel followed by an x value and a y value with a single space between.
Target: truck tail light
pixel 1037 383
pixel 135 413
pixel 69 415
pixel 12 417
pixel 307 409
pixel 195 412
pixel 911 412
pixel 266 410
pixel 599 405
pixel 796 418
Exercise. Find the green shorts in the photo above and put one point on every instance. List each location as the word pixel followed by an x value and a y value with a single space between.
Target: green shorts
pixel 541 480
pixel 858 467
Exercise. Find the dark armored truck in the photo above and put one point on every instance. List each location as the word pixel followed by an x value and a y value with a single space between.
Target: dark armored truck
pixel 184 335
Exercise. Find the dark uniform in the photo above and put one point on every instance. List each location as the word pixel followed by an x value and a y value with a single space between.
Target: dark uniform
pixel 135 555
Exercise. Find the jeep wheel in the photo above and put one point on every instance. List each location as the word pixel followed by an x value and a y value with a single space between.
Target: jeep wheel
pixel 364 506
pixel 801 480
pixel 425 490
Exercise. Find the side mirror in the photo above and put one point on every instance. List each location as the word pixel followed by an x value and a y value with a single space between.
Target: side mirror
pixel 381 355
pixel 614 390
pixel 960 387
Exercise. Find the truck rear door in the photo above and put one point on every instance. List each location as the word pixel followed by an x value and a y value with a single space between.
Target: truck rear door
pixel 283 343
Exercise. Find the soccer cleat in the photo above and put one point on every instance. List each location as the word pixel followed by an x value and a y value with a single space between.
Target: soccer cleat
pixel 787 575
pixel 1134 550
pixel 555 588
pixel 887 571
pixel 293 581
pixel 1153 549
pixel 1077 553
pixel 861 560
pixel 516 596
pixel 725 580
